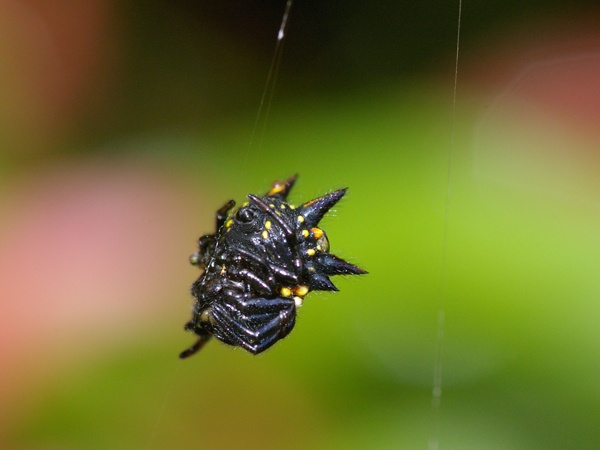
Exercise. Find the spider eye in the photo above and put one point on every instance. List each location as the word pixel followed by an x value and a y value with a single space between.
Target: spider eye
pixel 245 215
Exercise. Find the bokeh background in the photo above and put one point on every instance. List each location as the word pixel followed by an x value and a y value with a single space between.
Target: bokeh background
pixel 125 124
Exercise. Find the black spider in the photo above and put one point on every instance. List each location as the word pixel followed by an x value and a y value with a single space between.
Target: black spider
pixel 258 267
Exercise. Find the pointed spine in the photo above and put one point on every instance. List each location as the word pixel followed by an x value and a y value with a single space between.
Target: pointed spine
pixel 281 188
pixel 332 265
pixel 314 210
pixel 321 282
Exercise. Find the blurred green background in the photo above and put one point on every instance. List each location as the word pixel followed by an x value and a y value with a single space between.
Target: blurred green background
pixel 125 125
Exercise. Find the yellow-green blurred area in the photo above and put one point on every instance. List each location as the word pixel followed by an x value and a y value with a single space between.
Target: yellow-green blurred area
pixel 124 126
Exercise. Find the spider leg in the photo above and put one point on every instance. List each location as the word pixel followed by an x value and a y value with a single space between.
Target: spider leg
pixel 254 324
pixel 203 338
pixel 222 213
pixel 258 282
pixel 284 274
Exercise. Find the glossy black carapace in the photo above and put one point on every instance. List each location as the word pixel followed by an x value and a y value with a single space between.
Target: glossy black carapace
pixel 258 266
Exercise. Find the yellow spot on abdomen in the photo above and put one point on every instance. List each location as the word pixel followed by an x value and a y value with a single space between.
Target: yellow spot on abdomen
pixel 268 224
pixel 265 234
pixel 285 292
pixel 301 219
pixel 301 291
pixel 310 252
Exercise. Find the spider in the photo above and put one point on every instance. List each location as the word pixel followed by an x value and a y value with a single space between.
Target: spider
pixel 259 266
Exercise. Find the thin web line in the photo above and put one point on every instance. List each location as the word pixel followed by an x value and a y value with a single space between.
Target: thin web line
pixel 163 407
pixel 269 89
pixel 436 393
